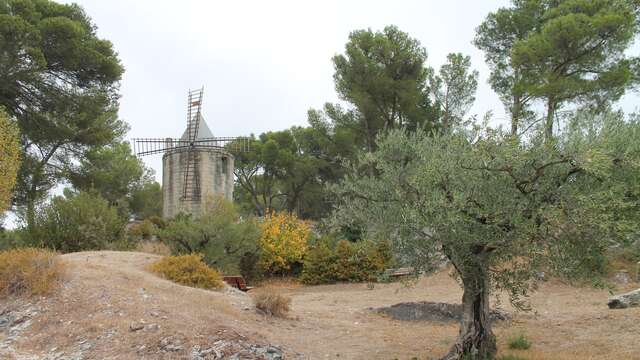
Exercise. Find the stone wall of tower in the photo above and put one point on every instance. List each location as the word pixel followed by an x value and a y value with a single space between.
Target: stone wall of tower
pixel 216 179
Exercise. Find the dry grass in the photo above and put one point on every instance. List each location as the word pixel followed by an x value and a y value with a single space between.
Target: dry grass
pixel 272 303
pixel 153 247
pixel 29 271
pixel 188 270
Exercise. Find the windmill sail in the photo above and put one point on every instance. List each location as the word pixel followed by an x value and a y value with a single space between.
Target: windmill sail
pixel 191 182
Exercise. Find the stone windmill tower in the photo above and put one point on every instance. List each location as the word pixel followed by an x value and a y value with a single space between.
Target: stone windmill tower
pixel 195 167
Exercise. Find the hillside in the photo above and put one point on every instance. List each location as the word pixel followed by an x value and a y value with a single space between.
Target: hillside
pixel 111 307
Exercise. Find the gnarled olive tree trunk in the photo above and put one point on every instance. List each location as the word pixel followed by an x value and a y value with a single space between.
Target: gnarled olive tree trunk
pixel 476 339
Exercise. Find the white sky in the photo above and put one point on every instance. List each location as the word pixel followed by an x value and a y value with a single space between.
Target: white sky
pixel 263 64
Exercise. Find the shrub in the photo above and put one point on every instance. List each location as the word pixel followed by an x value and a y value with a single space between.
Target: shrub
pixel 10 239
pixel 319 265
pixel 153 247
pixel 249 267
pixel 354 262
pixel 157 221
pixel 272 303
pixel 519 342
pixel 77 222
pixel 29 271
pixel 143 230
pixel 283 242
pixel 188 270
pixel 219 234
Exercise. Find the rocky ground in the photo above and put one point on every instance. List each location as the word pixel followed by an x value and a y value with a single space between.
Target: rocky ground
pixel 111 307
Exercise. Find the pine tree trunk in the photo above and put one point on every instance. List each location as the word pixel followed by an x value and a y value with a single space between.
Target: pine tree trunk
pixel 476 339
pixel 515 115
pixel 548 126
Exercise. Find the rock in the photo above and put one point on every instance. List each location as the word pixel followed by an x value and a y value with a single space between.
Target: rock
pixel 622 277
pixel 431 311
pixel 152 327
pixel 171 344
pixel 274 353
pixel 624 301
pixel 136 326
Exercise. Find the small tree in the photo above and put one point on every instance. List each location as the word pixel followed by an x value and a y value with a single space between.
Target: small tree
pixel 218 233
pixel 77 222
pixel 146 200
pixel 454 89
pixel 498 209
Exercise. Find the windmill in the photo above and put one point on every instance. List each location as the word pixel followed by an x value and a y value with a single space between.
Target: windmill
pixel 195 165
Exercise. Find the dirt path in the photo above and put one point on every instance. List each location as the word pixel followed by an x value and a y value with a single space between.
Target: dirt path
pixel 107 293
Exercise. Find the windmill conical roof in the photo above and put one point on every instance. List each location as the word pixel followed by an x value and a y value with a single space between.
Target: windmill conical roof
pixel 203 130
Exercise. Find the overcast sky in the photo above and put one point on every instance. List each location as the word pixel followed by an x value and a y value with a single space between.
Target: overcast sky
pixel 263 64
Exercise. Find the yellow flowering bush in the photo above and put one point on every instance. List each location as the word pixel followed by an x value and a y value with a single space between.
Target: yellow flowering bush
pixel 283 242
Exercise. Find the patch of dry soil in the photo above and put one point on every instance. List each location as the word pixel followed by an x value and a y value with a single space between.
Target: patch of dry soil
pixel 110 307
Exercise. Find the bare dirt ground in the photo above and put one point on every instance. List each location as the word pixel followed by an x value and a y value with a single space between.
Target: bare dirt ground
pixel 109 293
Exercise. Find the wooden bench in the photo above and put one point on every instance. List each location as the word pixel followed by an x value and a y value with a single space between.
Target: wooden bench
pixel 400 272
pixel 237 282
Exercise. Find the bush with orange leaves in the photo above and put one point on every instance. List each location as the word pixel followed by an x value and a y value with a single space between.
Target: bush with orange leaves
pixel 283 242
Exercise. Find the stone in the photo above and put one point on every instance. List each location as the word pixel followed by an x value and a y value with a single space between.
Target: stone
pixel 432 311
pixel 171 344
pixel 152 327
pixel 136 326
pixel 623 301
pixel 622 277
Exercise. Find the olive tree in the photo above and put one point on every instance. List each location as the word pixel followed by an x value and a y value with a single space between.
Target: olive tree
pixel 500 209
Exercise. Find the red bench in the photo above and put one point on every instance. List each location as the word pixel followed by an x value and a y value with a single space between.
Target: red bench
pixel 237 282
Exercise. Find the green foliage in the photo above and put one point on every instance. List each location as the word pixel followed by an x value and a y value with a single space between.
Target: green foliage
pixel 9 159
pixel 559 53
pixel 500 208
pixel 345 261
pixel 159 222
pixel 282 171
pixel 188 270
pixel 60 84
pixel 249 266
pixel 384 75
pixel 499 199
pixel 496 36
pixel 519 342
pixel 143 230
pixel 219 234
pixel 10 239
pixel 120 177
pixel 77 222
pixel 319 265
pixel 146 201
pixel 454 89
pixel 112 171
